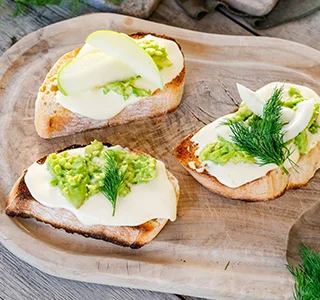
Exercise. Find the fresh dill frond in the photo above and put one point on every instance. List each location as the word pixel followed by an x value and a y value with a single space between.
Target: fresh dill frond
pixel 112 181
pixel 263 137
pixel 307 275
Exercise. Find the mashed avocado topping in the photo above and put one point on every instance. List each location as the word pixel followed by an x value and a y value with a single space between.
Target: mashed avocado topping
pixel 295 98
pixel 223 151
pixel 301 140
pixel 158 53
pixel 80 177
pixel 243 113
pixel 126 88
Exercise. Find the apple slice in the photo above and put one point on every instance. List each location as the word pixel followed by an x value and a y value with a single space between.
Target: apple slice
pixel 124 48
pixel 90 71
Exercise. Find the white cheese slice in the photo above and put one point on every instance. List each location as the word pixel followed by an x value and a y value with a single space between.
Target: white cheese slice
pixel 95 105
pixel 235 175
pixel 155 199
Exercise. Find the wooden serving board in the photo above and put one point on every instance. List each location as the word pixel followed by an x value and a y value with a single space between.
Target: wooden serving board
pixel 190 255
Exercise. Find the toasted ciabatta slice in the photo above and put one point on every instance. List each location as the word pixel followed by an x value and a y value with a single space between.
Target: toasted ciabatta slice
pixel 53 120
pixel 268 187
pixel 20 203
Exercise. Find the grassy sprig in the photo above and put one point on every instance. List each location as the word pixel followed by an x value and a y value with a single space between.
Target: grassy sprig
pixel 112 181
pixel 307 275
pixel 23 5
pixel 263 138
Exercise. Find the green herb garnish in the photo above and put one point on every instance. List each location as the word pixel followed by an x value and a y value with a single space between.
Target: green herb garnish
pixel 23 5
pixel 307 275
pixel 112 181
pixel 263 138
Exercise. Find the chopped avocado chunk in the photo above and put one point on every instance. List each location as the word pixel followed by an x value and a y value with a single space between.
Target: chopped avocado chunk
pixel 80 177
pixel 223 151
pixel 295 98
pixel 138 168
pixel 158 53
pixel 77 176
pixel 293 92
pixel 313 125
pixel 301 141
pixel 126 88
pixel 243 113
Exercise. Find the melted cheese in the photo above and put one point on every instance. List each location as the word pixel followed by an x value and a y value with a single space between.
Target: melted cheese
pixel 155 199
pixel 235 175
pixel 95 105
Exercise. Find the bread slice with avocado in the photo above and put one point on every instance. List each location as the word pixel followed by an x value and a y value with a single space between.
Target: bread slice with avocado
pixel 51 204
pixel 216 159
pixel 63 108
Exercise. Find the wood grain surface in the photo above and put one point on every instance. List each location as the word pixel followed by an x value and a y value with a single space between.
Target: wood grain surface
pixel 135 8
pixel 17 279
pixel 190 255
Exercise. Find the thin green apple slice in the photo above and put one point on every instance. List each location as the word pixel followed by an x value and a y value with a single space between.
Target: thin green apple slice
pixel 124 48
pixel 90 71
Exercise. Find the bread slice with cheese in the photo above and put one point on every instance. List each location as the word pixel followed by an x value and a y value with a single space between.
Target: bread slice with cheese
pixel 53 120
pixel 268 187
pixel 20 203
pixel 225 158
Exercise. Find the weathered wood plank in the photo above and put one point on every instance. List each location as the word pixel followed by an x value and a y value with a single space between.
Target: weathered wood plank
pixel 13 29
pixel 305 31
pixel 170 13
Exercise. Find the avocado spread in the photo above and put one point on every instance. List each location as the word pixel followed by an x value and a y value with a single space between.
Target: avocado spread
pixel 301 140
pixel 126 88
pixel 79 177
pixel 223 151
pixel 158 53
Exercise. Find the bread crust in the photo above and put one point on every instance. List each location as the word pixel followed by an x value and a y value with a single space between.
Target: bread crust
pixel 272 185
pixel 53 120
pixel 20 203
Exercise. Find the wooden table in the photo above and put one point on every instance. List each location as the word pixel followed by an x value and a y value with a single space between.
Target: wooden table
pixel 20 281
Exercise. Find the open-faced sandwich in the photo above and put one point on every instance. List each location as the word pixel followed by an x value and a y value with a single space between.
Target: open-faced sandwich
pixel 113 79
pixel 112 193
pixel 270 144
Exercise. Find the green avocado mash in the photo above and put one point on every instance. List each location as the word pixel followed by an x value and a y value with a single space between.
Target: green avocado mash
pixel 243 113
pixel 301 141
pixel 158 53
pixel 295 98
pixel 313 125
pixel 79 177
pixel 223 151
pixel 138 168
pixel 126 88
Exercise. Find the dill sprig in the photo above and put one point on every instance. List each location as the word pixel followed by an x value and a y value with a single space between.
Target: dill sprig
pixel 263 138
pixel 112 181
pixel 307 275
